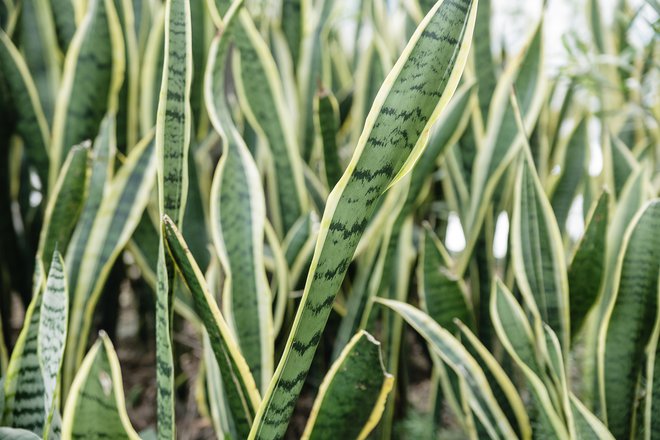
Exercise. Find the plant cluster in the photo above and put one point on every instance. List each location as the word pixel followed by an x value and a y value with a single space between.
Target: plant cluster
pixel 285 179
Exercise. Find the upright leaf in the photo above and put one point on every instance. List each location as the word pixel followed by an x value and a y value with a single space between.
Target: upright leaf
pixel 31 123
pixel 173 129
pixel 261 94
pixel 93 74
pixel 415 92
pixel 443 295
pixel 52 334
pixel 502 138
pixel 585 274
pixel 23 384
pixel 238 215
pixel 64 204
pixel 538 254
pixel 628 322
pixel 117 217
pixel 516 334
pixel 326 111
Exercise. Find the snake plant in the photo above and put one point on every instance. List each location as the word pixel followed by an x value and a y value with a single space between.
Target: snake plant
pixel 355 218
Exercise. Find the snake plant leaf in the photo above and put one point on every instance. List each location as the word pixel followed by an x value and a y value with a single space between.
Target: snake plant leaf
pixel 102 170
pixel 96 407
pixel 585 273
pixel 173 131
pixel 173 121
pixel 151 71
pixel 503 139
pixel 628 322
pixel 455 355
pixel 588 426
pixel 504 390
pixel 64 16
pixel 64 204
pixel 292 23
pixel 623 163
pixel 442 294
pixel 572 170
pixel 356 388
pixel 313 68
pixel 238 215
pixel 52 335
pixel 93 74
pixel 127 120
pixel 518 338
pixel 326 111
pixel 651 427
pixel 17 434
pixel 31 123
pixel 23 384
pixel 117 217
pixel 537 253
pixel 243 397
pixel 629 202
pixel 483 59
pixel 413 95
pixel 394 137
pixel 260 92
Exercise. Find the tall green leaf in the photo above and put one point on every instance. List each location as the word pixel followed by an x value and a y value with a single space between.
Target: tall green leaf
pixel 502 138
pixel 326 111
pixel 397 129
pixel 23 384
pixel 443 295
pixel 173 130
pixel 93 74
pixel 628 322
pixel 585 273
pixel 238 215
pixel 64 204
pixel 31 123
pixel 52 335
pixel 117 217
pixel 537 253
pixel 261 94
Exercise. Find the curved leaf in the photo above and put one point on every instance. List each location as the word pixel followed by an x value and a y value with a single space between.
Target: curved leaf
pixel 95 407
pixel 355 388
pixel 239 386
pixel 454 354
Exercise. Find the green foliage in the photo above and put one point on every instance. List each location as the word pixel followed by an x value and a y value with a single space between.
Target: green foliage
pixel 278 185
